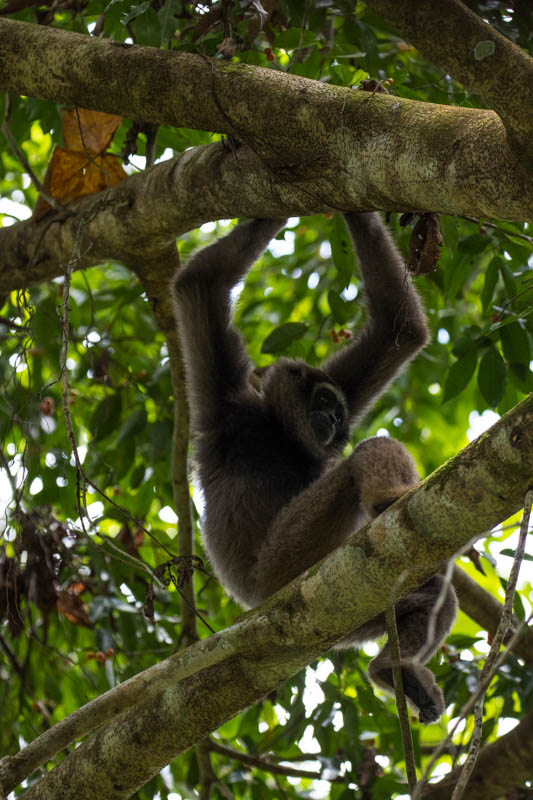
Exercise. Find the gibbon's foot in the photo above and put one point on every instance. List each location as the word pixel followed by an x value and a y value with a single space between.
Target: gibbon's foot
pixel 428 711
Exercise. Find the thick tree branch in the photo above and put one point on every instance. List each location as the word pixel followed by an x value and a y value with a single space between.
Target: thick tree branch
pixel 470 494
pixel 137 220
pixel 481 58
pixel 338 149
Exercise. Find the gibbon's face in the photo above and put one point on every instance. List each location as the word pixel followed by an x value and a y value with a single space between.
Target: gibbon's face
pixel 310 406
pixel 327 414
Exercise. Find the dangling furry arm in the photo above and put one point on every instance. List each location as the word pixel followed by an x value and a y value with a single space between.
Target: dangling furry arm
pixel 216 361
pixel 395 329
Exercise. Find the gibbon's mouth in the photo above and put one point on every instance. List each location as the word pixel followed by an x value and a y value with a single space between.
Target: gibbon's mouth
pixel 323 427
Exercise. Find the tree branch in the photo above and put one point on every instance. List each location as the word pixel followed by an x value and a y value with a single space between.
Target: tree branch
pixel 263 762
pixel 487 611
pixel 482 59
pixel 156 278
pixel 339 149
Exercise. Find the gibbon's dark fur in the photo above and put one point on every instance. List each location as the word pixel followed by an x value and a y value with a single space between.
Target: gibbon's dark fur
pixel 277 495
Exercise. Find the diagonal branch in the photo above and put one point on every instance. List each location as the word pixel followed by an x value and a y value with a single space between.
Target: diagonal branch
pixel 486 610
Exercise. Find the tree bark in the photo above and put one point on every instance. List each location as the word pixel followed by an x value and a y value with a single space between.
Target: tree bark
pixel 482 59
pixel 473 492
pixel 137 220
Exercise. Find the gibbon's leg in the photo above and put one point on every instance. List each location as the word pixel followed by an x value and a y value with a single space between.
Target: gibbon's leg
pixel 389 472
pixel 379 471
pixel 413 614
pixel 329 510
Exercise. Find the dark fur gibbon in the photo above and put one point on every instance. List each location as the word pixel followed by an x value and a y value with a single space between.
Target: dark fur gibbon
pixel 277 495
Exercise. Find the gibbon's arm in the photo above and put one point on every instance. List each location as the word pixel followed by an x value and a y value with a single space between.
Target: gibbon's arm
pixel 216 359
pixel 395 329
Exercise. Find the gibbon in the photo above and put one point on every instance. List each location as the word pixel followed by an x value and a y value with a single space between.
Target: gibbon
pixel 278 496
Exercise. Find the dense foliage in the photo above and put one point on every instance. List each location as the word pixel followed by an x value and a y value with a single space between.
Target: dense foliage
pixel 72 594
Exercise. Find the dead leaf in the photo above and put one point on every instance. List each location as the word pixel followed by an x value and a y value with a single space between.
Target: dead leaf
pixel 425 244
pixel 88 131
pixel 82 167
pixel 73 608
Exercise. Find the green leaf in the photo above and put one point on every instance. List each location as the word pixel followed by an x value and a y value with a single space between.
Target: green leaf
pixel 160 435
pixel 147 28
pixel 515 344
pixel 106 416
pixel 342 75
pixel 341 250
pixel 133 12
pixel 282 336
pixel 450 231
pixel 459 375
pixel 507 551
pixel 292 38
pixel 470 337
pixel 508 279
pixel 341 310
pixel 492 376
pixel 167 19
pixel 491 278
pixel 133 425
pixel 461 641
pixel 518 606
pixel 123 457
pixel 137 476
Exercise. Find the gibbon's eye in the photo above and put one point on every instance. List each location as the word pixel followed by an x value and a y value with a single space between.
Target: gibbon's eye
pixel 324 399
pixel 294 372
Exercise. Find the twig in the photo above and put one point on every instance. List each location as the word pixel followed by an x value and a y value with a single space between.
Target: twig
pixel 19 668
pixel 529 288
pixel 82 481
pixel 488 224
pixel 504 626
pixel 65 326
pixel 401 703
pixel 473 751
pixel 426 649
pixel 10 324
pixel 4 463
pixel 105 707
pixel 157 280
pixel 264 763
